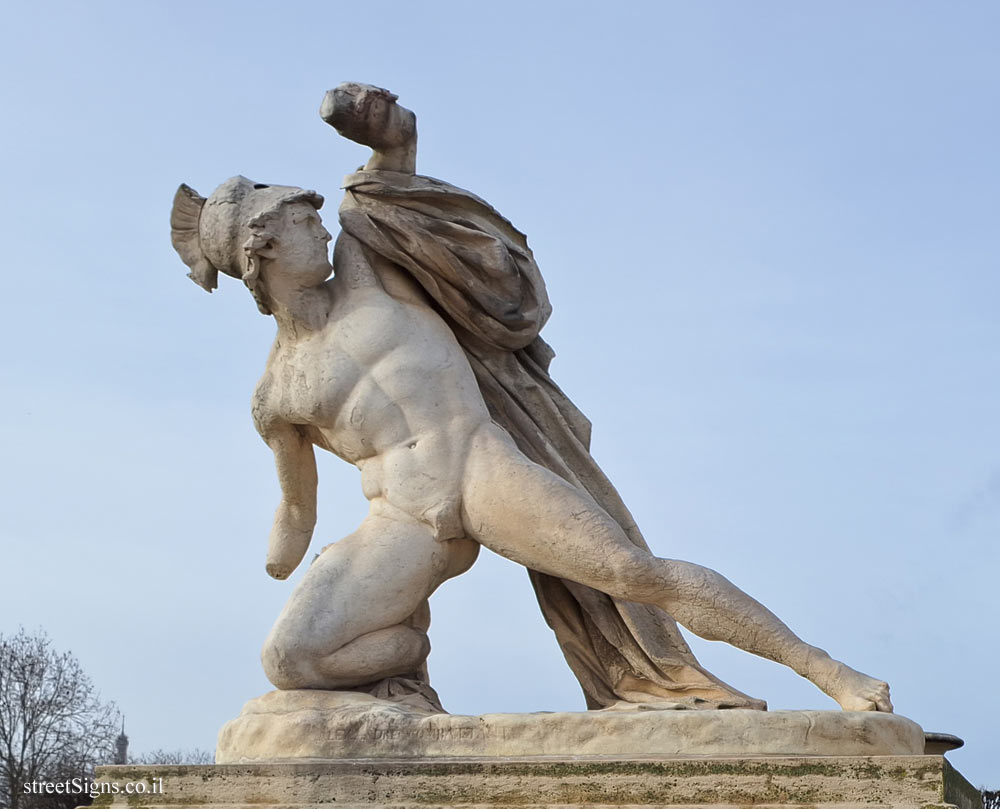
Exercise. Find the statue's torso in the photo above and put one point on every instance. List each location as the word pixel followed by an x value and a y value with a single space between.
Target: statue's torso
pixel 385 386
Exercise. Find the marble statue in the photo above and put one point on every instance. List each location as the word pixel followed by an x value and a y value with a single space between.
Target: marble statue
pixel 420 362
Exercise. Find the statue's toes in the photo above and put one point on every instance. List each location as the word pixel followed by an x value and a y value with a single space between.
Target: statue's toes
pixel 882 701
pixel 858 704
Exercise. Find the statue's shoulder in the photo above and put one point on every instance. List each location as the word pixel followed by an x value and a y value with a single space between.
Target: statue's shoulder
pixel 262 402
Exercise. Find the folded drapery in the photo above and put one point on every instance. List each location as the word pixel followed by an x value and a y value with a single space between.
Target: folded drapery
pixel 481 275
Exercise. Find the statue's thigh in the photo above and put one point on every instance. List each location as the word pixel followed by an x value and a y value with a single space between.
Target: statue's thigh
pixel 373 579
pixel 530 515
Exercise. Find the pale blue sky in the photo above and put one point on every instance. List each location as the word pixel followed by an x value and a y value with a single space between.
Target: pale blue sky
pixel 769 234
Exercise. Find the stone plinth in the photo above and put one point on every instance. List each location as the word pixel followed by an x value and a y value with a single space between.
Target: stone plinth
pixel 910 782
pixel 293 725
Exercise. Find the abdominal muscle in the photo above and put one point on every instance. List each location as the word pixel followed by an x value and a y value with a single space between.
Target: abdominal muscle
pixel 409 417
pixel 422 479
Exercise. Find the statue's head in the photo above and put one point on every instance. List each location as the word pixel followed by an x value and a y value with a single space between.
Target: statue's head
pixel 241 226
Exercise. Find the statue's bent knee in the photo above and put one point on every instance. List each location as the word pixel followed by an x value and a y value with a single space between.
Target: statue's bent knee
pixel 281 668
pixel 371 657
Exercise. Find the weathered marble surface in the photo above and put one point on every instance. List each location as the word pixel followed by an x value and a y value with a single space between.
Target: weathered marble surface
pixel 421 362
pixel 910 782
pixel 290 725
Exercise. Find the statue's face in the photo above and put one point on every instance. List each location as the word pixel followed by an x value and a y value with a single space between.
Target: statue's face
pixel 301 245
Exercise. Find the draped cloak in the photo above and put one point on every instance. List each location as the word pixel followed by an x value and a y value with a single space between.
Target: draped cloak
pixel 477 269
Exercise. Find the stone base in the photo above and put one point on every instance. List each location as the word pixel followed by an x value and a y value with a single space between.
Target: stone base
pixel 296 725
pixel 910 782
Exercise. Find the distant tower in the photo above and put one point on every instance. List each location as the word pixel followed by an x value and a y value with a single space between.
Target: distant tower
pixel 121 746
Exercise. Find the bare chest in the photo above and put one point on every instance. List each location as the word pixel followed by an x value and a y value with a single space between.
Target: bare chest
pixel 380 372
pixel 312 380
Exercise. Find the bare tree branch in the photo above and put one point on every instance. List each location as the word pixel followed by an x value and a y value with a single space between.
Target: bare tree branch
pixel 175 757
pixel 53 724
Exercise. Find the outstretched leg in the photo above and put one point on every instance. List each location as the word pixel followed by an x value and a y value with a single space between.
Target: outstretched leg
pixel 360 613
pixel 532 516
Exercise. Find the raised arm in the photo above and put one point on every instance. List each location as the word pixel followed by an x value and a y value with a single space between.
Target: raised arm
pixel 295 518
pixel 370 116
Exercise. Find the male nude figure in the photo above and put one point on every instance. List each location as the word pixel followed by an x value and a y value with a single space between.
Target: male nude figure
pixel 365 367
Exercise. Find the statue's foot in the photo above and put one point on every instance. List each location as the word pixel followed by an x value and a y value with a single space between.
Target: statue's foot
pixel 853 690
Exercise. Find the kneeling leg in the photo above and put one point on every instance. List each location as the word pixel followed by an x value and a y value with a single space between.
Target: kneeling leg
pixel 360 612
